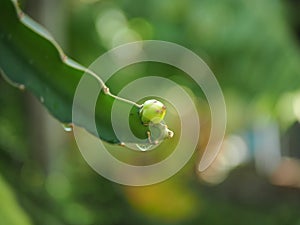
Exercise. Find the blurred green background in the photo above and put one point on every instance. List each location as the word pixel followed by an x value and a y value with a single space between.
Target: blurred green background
pixel 253 48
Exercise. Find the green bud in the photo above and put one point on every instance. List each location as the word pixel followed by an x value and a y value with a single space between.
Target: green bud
pixel 152 111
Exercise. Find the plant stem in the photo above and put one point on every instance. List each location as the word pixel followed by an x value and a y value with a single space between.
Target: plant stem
pixel 107 91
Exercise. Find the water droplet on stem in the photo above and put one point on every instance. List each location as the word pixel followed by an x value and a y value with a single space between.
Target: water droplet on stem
pixel 68 127
pixel 144 147
pixel 22 87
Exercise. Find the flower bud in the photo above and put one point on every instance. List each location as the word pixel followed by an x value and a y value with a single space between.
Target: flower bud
pixel 153 111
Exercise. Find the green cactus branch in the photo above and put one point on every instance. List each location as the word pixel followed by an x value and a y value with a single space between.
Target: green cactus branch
pixel 31 59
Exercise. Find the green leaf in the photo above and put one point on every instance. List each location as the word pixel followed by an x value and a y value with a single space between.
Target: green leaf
pixel 31 59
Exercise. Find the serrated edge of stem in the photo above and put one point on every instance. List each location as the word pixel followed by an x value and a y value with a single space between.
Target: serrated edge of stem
pixel 39 29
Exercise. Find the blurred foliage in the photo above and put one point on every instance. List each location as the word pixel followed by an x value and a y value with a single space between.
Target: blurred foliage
pixel 253 49
pixel 10 211
pixel 250 46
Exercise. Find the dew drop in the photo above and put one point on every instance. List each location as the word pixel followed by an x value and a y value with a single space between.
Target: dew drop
pixel 144 147
pixel 22 87
pixel 42 99
pixel 67 127
pixel 122 144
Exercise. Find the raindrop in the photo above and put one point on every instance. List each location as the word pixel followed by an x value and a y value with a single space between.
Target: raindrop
pixel 144 147
pixel 42 99
pixel 68 127
pixel 22 87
